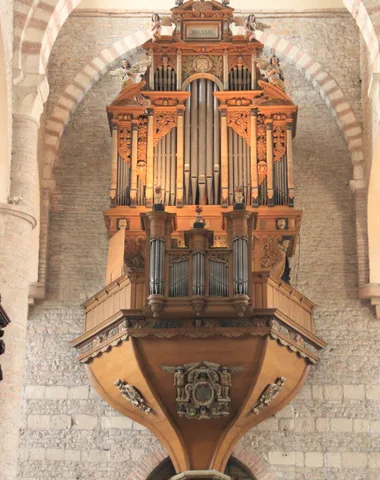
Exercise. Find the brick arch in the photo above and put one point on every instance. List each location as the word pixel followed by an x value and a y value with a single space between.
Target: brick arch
pixel 151 460
pixel 259 468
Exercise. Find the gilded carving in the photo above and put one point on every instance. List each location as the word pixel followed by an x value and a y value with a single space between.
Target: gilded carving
pixel 279 148
pixel 270 392
pixel 125 143
pixel 132 395
pixel 202 389
pixel 164 121
pixel 261 138
pixel 202 64
pixel 142 143
pixel 240 121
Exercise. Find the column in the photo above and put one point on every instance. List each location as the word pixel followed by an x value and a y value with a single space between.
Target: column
pixel 254 179
pixel 269 131
pixel 224 158
pixel 150 160
pixel 253 73
pixel 289 151
pixel 135 127
pixel 16 224
pixel 180 151
pixel 225 71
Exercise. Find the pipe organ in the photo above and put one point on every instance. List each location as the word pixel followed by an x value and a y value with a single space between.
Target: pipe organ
pixel 200 228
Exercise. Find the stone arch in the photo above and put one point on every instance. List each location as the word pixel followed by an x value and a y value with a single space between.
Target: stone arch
pixel 147 463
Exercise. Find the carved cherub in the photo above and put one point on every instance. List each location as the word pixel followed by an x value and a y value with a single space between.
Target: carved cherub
pixel 250 25
pixel 156 27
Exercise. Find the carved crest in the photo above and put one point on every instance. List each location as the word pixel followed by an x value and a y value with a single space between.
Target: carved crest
pixel 203 389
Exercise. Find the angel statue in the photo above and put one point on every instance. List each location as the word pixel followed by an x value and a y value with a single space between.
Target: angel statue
pixel 250 26
pixel 129 75
pixel 156 26
pixel 273 73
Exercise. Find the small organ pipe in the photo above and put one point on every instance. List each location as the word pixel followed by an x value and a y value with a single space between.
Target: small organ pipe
pixel 225 71
pixel 115 155
pixel 231 166
pixel 149 160
pixel 179 174
pixel 179 69
pixel 254 176
pixel 253 73
pixel 134 163
pixel 166 172
pixel 269 131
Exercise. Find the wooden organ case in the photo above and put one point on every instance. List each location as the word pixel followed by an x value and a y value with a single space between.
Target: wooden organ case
pixel 197 334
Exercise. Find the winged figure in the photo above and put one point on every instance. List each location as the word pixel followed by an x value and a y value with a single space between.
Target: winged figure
pixel 272 71
pixel 250 25
pixel 129 74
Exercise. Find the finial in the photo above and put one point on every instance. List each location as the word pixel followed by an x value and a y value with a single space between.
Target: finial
pixel 158 205
pixel 239 199
pixel 199 221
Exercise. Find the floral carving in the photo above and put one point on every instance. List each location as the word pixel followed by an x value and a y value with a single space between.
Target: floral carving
pixel 125 143
pixel 164 122
pixel 261 138
pixel 134 253
pixel 239 120
pixel 279 149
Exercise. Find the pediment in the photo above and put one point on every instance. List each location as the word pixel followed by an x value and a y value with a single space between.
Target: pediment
pixel 210 5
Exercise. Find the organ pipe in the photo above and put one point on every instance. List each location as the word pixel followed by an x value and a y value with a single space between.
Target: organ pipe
pixel 224 158
pixel 133 193
pixel 156 265
pixel 216 150
pixel 114 176
pixel 187 138
pixel 180 139
pixel 289 147
pixel 254 179
pixel 269 131
pixel 202 141
pixel 209 140
pixel 198 273
pixel 194 141
pixel 149 161
pixel 240 265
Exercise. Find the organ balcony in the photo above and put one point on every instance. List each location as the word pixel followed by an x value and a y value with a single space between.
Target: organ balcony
pixel 198 334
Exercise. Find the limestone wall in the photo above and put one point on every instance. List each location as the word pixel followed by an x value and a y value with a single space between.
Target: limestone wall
pixel 332 429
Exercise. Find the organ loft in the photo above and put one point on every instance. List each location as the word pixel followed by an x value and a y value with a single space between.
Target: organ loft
pixel 198 334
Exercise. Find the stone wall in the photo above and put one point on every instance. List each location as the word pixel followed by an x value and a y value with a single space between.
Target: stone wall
pixel 332 429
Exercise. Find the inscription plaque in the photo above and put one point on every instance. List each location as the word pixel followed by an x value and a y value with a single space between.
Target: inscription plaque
pixel 202 31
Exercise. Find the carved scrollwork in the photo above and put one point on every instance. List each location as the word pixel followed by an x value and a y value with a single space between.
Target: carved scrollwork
pixel 239 121
pixel 261 138
pixel 165 120
pixel 202 64
pixel 142 142
pixel 125 143
pixel 279 148
pixel 273 254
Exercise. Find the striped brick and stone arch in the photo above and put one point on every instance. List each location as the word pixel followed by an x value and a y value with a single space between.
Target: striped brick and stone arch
pixel 152 460
pixel 367 17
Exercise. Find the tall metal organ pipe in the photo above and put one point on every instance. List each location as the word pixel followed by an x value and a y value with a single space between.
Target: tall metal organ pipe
pixel 202 144
pixel 240 266
pixel 157 266
pixel 165 171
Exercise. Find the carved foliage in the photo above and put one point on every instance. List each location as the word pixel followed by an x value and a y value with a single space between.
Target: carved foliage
pixel 279 148
pixel 125 143
pixel 142 142
pixel 239 120
pixel 273 253
pixel 165 120
pixel 261 138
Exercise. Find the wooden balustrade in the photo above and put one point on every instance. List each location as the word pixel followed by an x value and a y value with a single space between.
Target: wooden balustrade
pixel 125 293
pixel 271 292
